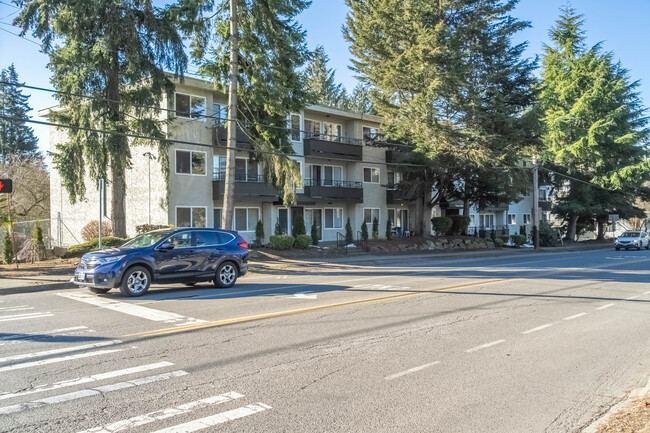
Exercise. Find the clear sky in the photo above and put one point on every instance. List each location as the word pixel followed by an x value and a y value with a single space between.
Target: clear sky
pixel 620 25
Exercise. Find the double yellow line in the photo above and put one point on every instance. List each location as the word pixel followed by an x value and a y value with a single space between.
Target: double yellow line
pixel 186 328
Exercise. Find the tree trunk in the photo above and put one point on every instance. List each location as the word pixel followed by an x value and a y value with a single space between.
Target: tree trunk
pixel 118 154
pixel 229 184
pixel 601 229
pixel 571 229
pixel 419 213
pixel 466 207
pixel 118 208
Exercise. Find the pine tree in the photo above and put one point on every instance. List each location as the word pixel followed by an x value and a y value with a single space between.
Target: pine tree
pixel 16 138
pixel 447 79
pixel 375 229
pixel 593 126
pixel 360 101
pixel 349 236
pixel 389 229
pixel 321 82
pixel 364 231
pixel 113 51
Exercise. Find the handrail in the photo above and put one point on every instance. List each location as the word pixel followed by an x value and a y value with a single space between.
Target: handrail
pixel 341 238
pixel 333 183
pixel 361 241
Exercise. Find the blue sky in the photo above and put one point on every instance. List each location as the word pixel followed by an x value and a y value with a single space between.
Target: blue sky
pixel 621 26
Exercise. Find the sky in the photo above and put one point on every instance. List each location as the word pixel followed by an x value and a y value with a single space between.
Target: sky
pixel 621 26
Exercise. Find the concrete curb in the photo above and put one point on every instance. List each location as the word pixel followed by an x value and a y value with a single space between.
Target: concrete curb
pixel 34 286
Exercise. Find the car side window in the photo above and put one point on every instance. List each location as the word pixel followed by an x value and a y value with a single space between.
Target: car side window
pixel 181 240
pixel 206 238
pixel 224 238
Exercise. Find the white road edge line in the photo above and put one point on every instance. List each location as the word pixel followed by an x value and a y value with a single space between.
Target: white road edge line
pixel 25 317
pixel 484 346
pixel 88 379
pixel 158 415
pixel 55 360
pixel 220 418
pixel 411 370
pixel 647 293
pixel 539 328
pixel 89 392
pixel 575 316
pixel 61 350
pixel 41 334
pixel 605 306
pixel 17 308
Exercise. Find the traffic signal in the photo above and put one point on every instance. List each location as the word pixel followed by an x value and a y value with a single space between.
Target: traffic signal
pixel 6 186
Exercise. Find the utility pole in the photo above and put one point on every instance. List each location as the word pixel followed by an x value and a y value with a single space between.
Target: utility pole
pixel 535 204
pixel 100 185
pixel 13 235
pixel 233 76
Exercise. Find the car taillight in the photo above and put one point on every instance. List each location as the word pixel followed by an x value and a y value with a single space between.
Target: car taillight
pixel 243 244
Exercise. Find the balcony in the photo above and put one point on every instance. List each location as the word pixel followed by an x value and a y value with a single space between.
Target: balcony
pixel 246 186
pixel 333 147
pixel 220 137
pixel 397 196
pixel 331 190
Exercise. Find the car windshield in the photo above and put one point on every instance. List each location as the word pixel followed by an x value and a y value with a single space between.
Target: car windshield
pixel 631 234
pixel 146 239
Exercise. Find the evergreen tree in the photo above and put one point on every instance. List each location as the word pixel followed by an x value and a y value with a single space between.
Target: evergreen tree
pixel 298 226
pixel 314 234
pixel 270 51
pixel 113 51
pixel 364 231
pixel 360 101
pixel 447 79
pixel 389 229
pixel 16 138
pixel 321 82
pixel 375 229
pixel 593 126
pixel 349 236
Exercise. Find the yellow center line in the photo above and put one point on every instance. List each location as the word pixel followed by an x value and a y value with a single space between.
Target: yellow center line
pixel 176 329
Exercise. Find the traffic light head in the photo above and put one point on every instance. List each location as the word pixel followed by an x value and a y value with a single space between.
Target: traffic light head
pixel 6 186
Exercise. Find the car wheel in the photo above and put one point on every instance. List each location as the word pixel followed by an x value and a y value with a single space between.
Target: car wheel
pixel 98 290
pixel 226 275
pixel 618 249
pixel 136 281
pixel 638 248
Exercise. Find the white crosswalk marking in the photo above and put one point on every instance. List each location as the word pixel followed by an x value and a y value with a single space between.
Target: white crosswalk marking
pixel 131 309
pixel 25 316
pixel 56 360
pixel 17 308
pixel 42 333
pixel 89 392
pixel 220 418
pixel 88 379
pixel 61 350
pixel 164 413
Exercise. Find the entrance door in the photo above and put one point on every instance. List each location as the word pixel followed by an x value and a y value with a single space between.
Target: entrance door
pixel 315 217
pixel 295 212
pixel 316 175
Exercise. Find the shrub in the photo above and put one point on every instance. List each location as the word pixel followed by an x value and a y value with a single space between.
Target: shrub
pixel 349 237
pixel 259 231
pixel 7 249
pixel 302 242
pixel 441 225
pixel 498 242
pixel 299 226
pixel 38 235
pixel 91 230
pixel 278 230
pixel 314 234
pixel 459 224
pixel 505 238
pixel 144 228
pixel 389 229
pixel 548 236
pixel 518 240
pixel 364 231
pixel 81 249
pixel 281 242
pixel 375 229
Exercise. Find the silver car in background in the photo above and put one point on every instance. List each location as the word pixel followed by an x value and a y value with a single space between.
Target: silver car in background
pixel 632 239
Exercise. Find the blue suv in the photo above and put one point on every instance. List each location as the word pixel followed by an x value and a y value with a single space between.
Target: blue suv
pixel 188 256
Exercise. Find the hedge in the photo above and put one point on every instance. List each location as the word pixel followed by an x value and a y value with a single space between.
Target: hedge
pixel 498 242
pixel 459 224
pixel 518 240
pixel 81 249
pixel 302 242
pixel 282 242
pixel 441 225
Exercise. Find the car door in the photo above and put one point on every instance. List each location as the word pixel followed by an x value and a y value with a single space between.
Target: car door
pixel 179 262
pixel 208 251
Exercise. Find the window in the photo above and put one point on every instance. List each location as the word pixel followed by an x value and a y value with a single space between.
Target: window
pixel 370 133
pixel 332 131
pixel 391 217
pixel 542 194
pixel 546 216
pixel 190 162
pixel 527 218
pixel 283 220
pixel 369 215
pixel 295 127
pixel 219 167
pixel 371 175
pixel 512 219
pixel 486 220
pixel 472 220
pixel 332 175
pixel 334 218
pixel 394 178
pixel 219 114
pixel 190 217
pixel 217 218
pixel 246 218
pixel 312 128
pixel 181 240
pixel 206 238
pixel 190 106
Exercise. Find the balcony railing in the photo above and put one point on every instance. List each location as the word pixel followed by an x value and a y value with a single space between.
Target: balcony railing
pixel 329 189
pixel 333 183
pixel 333 147
pixel 239 177
pixel 333 138
pixel 247 185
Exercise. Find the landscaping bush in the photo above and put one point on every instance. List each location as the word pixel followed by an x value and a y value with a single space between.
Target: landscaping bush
pixel 459 224
pixel 81 249
pixel 299 226
pixel 349 237
pixel 498 242
pixel 518 240
pixel 144 228
pixel 259 232
pixel 364 231
pixel 441 225
pixel 91 230
pixel 314 234
pixel 505 238
pixel 281 242
pixel 548 235
pixel 7 249
pixel 278 229
pixel 302 242
pixel 375 229
pixel 389 229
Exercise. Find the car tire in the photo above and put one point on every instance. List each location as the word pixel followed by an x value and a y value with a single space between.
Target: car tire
pixel 647 247
pixel 98 290
pixel 136 281
pixel 226 275
pixel 618 249
pixel 638 248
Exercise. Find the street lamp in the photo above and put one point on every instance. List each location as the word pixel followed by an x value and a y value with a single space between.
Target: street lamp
pixel 149 156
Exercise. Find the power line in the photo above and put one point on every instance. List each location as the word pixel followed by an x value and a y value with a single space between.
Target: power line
pixel 9 4
pixel 18 36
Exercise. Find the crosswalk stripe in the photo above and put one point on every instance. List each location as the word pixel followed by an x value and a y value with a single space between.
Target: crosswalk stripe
pixel 25 316
pixel 158 415
pixel 41 334
pixel 17 308
pixel 220 418
pixel 55 360
pixel 89 392
pixel 132 309
pixel 87 379
pixel 61 350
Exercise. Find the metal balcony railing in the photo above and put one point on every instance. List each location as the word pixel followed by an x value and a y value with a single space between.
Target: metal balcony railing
pixel 333 183
pixel 333 138
pixel 221 176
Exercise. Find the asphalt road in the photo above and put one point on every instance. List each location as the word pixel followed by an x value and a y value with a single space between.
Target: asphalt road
pixel 532 343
